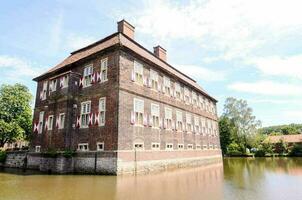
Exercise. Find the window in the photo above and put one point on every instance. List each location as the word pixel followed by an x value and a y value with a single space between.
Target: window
pixel 180 146
pixel 179 120
pixel 83 147
pixel 61 120
pixel 168 118
pixel 139 111
pixel 167 85
pixel 190 146
pixel 138 72
pixel 201 101
pixel 41 119
pixel 205 146
pixel 85 112
pixel 154 79
pixel 44 91
pixel 88 71
pixel 64 81
pixel 102 111
pixel 37 149
pixel 50 122
pixel 169 146
pixel 188 122
pixel 53 85
pixel 194 99
pixel 155 146
pixel 100 146
pixel 104 69
pixel 155 115
pixel 210 146
pixel 203 125
pixel 215 146
pixel 196 124
pixel 187 96
pixel 178 91
pixel 138 146
pixel 198 146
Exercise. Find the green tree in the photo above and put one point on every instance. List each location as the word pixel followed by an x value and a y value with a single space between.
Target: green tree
pixel 226 132
pixel 15 113
pixel 242 115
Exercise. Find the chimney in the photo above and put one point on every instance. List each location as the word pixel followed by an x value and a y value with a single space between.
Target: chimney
pixel 124 27
pixel 160 52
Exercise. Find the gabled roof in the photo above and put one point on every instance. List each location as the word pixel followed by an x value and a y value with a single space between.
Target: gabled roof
pixel 286 138
pixel 125 41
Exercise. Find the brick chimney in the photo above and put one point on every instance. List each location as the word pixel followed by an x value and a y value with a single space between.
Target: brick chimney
pixel 126 28
pixel 160 52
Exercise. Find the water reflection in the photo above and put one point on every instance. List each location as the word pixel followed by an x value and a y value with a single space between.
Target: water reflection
pixel 237 179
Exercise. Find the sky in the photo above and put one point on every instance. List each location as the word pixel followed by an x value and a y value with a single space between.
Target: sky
pixel 247 49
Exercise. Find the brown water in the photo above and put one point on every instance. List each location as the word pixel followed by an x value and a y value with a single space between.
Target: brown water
pixel 238 178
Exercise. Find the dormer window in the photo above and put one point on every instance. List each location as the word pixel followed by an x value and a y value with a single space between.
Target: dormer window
pixel 88 71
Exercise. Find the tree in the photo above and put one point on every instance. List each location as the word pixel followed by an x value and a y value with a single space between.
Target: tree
pixel 243 118
pixel 15 113
pixel 226 132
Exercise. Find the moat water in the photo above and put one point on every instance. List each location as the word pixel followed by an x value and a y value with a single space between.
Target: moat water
pixel 235 179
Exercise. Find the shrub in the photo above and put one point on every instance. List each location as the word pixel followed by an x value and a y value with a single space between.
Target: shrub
pixel 260 153
pixel 296 150
pixel 234 149
pixel 2 156
pixel 51 153
pixel 68 153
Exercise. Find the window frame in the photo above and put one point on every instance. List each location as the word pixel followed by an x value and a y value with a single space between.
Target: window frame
pixel 167 147
pixel 97 146
pixel 104 67
pixel 155 116
pixel 88 75
pixel 155 148
pixel 61 126
pixel 83 144
pixel 50 123
pixel 104 111
pixel 86 113
pixel 137 113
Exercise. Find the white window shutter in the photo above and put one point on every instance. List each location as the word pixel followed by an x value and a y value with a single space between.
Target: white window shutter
pixel 132 75
pixel 145 122
pixel 132 119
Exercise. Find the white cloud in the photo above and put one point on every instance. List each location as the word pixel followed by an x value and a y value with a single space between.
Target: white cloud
pixel 14 68
pixel 234 28
pixel 280 66
pixel 267 88
pixel 75 42
pixel 201 73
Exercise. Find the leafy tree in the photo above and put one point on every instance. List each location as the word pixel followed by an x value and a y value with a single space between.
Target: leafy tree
pixel 242 116
pixel 282 129
pixel 225 130
pixel 15 113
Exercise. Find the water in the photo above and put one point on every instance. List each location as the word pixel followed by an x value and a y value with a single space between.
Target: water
pixel 238 178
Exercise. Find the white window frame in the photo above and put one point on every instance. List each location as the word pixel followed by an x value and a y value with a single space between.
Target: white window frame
pixel 156 144
pixel 138 146
pixel 168 119
pixel 190 146
pixel 169 146
pixel 87 75
pixel 187 97
pixel 41 122
pixel 196 124
pixel 139 113
pixel 167 85
pixel 138 73
pixel 50 122
pixel 181 146
pixel 194 99
pixel 189 122
pixel 154 79
pixel 61 123
pixel 155 112
pixel 98 148
pixel 85 114
pixel 38 149
pixel 198 147
pixel 52 85
pixel 82 145
pixel 44 90
pixel 177 91
pixel 65 81
pixel 204 147
pixel 179 120
pixel 104 70
pixel 102 112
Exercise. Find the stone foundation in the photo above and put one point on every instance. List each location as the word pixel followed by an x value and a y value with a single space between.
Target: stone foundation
pixel 111 162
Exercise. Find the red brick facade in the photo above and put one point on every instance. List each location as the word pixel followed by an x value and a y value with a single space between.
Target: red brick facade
pixel 119 133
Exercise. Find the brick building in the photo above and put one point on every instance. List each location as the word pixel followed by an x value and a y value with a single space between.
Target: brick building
pixel 118 99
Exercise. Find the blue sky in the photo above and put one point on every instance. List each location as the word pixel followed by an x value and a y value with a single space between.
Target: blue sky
pixel 246 49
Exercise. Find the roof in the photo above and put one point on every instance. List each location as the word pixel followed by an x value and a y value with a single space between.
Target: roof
pixel 125 41
pixel 286 138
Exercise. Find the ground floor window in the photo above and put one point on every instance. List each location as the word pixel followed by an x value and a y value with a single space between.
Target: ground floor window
pixel 100 146
pixel 205 146
pixel 190 146
pixel 198 147
pixel 180 146
pixel 155 146
pixel 138 146
pixel 37 149
pixel 169 146
pixel 83 147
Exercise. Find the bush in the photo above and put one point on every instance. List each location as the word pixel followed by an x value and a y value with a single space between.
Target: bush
pixel 260 153
pixel 2 156
pixel 296 150
pixel 234 149
pixel 50 153
pixel 68 153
